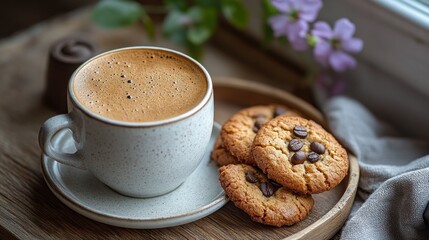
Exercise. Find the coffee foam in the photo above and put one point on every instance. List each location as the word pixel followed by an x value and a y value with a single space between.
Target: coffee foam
pixel 140 85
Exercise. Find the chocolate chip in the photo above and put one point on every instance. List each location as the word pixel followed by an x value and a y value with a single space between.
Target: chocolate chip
pixel 130 81
pixel 313 157
pixel 259 122
pixel 251 177
pixel 300 131
pixel 256 116
pixel 256 127
pixel 267 189
pixel 295 145
pixel 279 111
pixel 298 158
pixel 275 184
pixel 317 147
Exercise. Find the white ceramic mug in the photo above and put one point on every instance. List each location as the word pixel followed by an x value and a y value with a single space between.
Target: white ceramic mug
pixel 143 159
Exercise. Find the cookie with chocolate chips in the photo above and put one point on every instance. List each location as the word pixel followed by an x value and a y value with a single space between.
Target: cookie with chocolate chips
pixel 239 131
pixel 264 200
pixel 222 156
pixel 299 154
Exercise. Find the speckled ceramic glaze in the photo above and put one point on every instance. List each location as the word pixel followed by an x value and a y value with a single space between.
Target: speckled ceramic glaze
pixel 199 196
pixel 143 159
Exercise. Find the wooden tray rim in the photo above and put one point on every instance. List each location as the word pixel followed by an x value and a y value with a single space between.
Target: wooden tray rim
pixel 340 211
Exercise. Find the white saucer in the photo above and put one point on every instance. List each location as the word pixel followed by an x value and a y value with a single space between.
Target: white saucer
pixel 199 196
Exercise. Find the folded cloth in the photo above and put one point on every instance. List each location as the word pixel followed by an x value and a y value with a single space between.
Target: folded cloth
pixel 393 193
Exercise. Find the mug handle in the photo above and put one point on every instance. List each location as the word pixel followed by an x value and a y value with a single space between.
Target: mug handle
pixel 48 130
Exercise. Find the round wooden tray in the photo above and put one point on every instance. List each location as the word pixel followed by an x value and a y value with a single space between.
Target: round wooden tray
pixel 331 208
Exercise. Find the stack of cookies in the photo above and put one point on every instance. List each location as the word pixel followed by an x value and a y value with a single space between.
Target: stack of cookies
pixel 271 160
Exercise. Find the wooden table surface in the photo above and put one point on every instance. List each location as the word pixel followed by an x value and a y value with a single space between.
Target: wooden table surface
pixel 28 209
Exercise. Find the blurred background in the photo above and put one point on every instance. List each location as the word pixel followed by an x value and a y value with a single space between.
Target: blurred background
pixel 392 68
pixel 18 15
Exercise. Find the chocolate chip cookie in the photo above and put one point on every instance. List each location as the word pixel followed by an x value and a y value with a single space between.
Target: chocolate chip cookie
pixel 265 201
pixel 222 156
pixel 299 154
pixel 239 131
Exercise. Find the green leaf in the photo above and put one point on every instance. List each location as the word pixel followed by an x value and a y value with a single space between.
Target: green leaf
pixel 198 35
pixel 204 24
pixel 116 13
pixel 209 3
pixel 173 27
pixel 195 51
pixel 203 16
pixel 235 12
pixel 180 5
pixel 148 25
pixel 268 10
pixel 191 28
pixel 312 40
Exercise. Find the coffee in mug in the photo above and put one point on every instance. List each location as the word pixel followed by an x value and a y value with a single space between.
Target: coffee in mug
pixel 140 85
pixel 141 119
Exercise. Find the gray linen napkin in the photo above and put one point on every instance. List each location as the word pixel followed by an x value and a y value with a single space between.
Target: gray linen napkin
pixel 393 194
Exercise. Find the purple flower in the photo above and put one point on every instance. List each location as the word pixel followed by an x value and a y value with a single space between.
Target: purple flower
pixel 333 46
pixel 332 85
pixel 293 20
